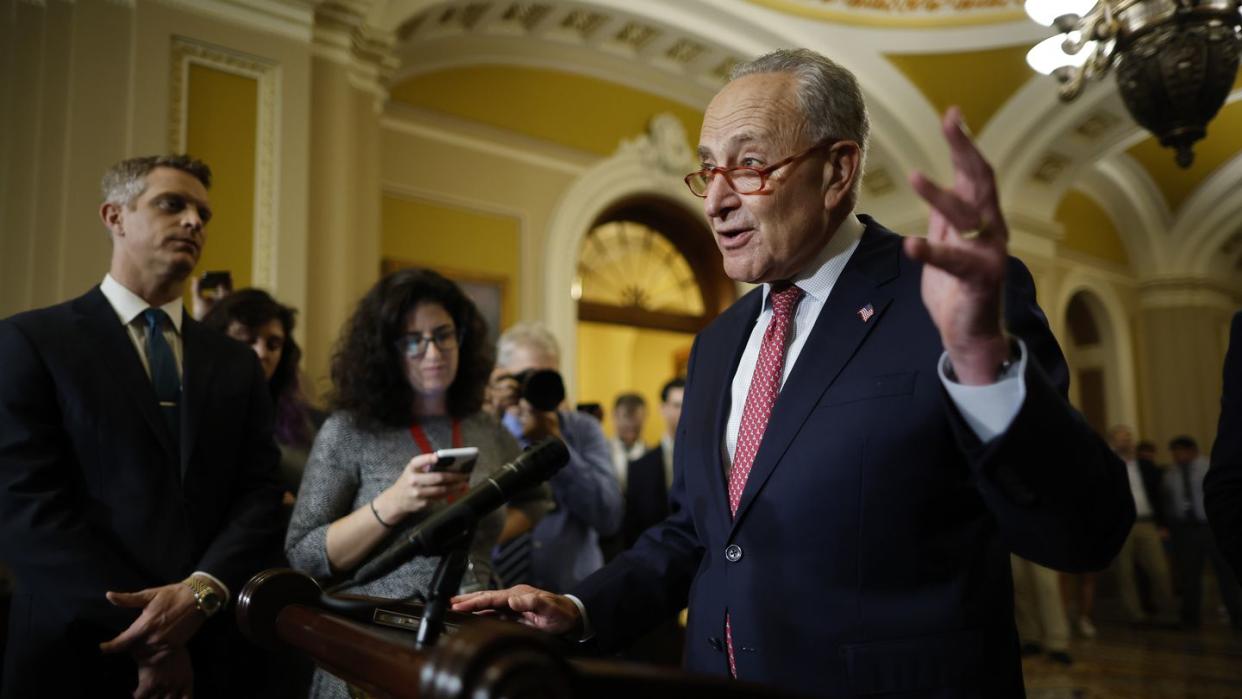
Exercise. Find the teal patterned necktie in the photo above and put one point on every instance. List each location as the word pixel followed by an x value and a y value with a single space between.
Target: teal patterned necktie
pixel 163 371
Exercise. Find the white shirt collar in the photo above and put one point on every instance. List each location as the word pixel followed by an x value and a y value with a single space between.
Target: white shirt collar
pixel 822 274
pixel 129 305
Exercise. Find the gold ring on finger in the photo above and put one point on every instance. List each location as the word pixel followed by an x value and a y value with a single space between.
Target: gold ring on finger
pixel 984 224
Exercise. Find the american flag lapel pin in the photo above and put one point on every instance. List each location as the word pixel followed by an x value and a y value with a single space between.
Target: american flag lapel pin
pixel 866 312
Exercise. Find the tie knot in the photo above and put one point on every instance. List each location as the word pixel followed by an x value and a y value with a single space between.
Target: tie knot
pixel 784 301
pixel 154 318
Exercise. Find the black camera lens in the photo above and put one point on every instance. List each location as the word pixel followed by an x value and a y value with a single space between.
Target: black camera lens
pixel 544 389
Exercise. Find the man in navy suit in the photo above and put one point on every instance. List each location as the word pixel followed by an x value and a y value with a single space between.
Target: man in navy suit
pixel 1222 489
pixel 865 437
pixel 137 464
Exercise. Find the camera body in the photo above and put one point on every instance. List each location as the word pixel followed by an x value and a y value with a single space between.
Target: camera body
pixel 544 389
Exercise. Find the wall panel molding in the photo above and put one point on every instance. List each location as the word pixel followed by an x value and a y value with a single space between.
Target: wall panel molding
pixel 267 75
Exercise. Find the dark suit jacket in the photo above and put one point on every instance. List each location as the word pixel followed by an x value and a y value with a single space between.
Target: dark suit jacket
pixel 1153 486
pixel 646 494
pixel 92 496
pixel 870 551
pixel 1222 489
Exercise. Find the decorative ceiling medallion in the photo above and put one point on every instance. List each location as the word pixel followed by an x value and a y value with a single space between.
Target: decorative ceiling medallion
pixel 1050 167
pixel 902 13
pixel 878 182
pixel 1096 125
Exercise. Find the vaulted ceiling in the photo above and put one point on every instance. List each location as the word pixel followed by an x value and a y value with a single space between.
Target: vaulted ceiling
pixel 583 74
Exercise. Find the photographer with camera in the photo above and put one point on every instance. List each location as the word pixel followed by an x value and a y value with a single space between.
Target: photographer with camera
pixel 526 394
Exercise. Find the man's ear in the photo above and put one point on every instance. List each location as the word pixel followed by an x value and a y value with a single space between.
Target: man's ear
pixel 841 170
pixel 110 214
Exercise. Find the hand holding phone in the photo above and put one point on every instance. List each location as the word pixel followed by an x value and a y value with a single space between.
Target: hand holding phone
pixel 455 460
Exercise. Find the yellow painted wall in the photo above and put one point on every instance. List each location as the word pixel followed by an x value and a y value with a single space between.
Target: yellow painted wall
pixel 458 242
pixel 614 359
pixel 1089 230
pixel 980 82
pixel 573 110
pixel 1223 143
pixel 221 130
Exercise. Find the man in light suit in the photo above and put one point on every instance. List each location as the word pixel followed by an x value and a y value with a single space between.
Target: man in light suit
pixel 137 466
pixel 865 437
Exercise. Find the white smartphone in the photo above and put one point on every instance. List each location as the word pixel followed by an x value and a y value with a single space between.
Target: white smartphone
pixel 455 460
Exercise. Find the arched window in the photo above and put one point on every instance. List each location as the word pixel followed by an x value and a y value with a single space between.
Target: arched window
pixel 649 264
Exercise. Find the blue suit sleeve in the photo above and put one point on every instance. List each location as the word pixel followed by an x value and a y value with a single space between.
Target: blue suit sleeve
pixel 586 486
pixel 1222 489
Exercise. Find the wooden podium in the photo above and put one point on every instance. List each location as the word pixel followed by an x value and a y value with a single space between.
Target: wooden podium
pixel 370 643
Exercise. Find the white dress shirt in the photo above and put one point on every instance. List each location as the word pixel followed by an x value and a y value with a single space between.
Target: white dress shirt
pixel 129 307
pixel 988 410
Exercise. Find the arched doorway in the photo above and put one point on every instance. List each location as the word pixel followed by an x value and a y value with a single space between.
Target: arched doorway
pixel 1092 356
pixel 648 279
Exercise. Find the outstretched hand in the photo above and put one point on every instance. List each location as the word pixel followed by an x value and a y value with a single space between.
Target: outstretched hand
pixel 536 608
pixel 965 254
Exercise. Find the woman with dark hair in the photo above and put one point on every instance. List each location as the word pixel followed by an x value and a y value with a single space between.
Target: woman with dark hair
pixel 408 374
pixel 252 316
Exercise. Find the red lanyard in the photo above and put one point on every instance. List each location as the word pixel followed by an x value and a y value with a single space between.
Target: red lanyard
pixel 423 443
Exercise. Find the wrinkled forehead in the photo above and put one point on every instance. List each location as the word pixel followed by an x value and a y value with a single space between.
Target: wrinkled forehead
pixel 754 110
pixel 170 179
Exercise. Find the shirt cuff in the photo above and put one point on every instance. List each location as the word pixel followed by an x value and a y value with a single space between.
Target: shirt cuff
pixel 216 581
pixel 991 408
pixel 587 632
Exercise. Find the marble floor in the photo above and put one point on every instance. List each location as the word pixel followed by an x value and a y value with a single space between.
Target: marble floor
pixel 1125 662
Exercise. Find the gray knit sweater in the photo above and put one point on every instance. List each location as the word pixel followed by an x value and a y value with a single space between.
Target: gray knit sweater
pixel 348 467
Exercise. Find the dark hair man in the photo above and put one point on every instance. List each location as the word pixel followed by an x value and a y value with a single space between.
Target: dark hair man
pixel 137 464
pixel 865 436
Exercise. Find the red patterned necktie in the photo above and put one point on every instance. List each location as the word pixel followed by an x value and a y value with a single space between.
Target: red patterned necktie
pixel 765 385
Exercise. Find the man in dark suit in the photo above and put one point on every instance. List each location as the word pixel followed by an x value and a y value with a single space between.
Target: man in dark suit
pixel 137 464
pixel 651 475
pixel 865 437
pixel 1222 489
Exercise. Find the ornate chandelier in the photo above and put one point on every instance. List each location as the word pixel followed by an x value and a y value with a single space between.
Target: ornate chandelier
pixel 1175 59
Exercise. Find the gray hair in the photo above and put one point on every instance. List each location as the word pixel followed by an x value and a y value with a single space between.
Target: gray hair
pixel 530 335
pixel 125 181
pixel 827 94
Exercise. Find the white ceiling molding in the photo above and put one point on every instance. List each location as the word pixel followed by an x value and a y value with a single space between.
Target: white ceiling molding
pixel 459 133
pixel 1122 188
pixel 292 19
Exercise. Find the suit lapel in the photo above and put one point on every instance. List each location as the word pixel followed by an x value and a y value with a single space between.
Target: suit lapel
pixel 117 352
pixel 837 334
pixel 197 366
pixel 721 372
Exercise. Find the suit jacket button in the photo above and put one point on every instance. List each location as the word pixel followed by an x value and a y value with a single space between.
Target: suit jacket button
pixel 733 553
pixel 716 643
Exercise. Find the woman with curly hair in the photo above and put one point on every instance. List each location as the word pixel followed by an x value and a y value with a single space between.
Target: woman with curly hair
pixel 252 316
pixel 408 373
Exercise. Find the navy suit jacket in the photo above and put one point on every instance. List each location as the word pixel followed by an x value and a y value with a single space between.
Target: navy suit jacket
pixel 870 551
pixel 93 496
pixel 1222 489
pixel 646 494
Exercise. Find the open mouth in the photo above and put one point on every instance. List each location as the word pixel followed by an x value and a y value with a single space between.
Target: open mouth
pixel 732 240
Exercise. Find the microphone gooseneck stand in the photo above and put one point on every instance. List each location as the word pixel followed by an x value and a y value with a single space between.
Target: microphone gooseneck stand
pixel 445 582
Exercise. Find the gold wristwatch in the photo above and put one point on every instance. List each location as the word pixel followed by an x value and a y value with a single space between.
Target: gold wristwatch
pixel 205 595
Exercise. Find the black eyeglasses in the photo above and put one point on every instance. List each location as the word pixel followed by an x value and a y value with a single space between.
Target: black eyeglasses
pixel 414 345
pixel 744 180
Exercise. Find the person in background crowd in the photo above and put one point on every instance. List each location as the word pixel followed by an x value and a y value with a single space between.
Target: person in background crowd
pixel 408 375
pixel 563 546
pixel 1144 546
pixel 1039 611
pixel 629 413
pixel 1222 489
pixel 1192 537
pixel 651 475
pixel 253 317
pixel 138 482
